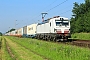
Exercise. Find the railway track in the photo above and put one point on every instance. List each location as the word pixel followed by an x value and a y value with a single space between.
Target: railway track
pixel 78 42
pixel 81 43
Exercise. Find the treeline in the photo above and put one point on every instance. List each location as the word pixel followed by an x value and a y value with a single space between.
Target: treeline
pixel 80 21
pixel 10 30
pixel 0 34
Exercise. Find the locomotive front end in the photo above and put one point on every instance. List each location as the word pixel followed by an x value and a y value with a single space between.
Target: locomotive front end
pixel 62 29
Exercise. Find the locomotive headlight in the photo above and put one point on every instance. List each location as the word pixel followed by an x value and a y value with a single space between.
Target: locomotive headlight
pixel 66 31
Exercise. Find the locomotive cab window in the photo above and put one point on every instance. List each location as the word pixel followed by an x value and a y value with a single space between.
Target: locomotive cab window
pixel 62 23
pixel 66 23
pixel 50 23
pixel 58 23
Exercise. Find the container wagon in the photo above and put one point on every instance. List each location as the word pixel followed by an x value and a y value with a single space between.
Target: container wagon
pixel 29 30
pixel 20 32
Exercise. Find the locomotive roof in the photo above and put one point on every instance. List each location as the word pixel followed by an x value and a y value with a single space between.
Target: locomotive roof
pixel 45 21
pixel 57 17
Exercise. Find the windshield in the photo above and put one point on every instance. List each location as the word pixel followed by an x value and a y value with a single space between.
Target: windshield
pixel 62 23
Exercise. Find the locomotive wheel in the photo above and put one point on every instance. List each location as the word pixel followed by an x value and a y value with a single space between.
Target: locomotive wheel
pixel 54 39
pixel 66 39
pixel 49 38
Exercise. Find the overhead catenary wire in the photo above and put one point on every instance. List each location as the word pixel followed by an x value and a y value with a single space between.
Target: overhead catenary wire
pixel 64 8
pixel 51 4
pixel 65 12
pixel 61 9
pixel 54 8
pixel 56 5
pixel 43 9
pixel 51 8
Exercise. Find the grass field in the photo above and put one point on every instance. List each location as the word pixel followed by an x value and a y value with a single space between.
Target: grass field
pixel 0 42
pixel 84 36
pixel 21 53
pixel 3 51
pixel 49 50
pixel 0 47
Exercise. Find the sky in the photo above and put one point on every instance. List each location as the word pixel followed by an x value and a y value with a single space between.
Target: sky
pixel 19 13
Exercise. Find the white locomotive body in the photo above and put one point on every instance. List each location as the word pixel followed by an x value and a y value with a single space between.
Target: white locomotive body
pixel 56 28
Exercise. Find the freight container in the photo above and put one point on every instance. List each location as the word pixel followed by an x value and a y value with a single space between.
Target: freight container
pixel 20 32
pixel 12 33
pixel 29 30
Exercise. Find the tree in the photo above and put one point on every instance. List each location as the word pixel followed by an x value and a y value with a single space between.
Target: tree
pixel 10 30
pixel 87 5
pixel 0 34
pixel 80 18
pixel 75 9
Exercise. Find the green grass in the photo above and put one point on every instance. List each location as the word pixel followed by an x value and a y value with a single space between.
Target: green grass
pixel 0 41
pixel 4 52
pixel 54 51
pixel 83 36
pixel 0 47
pixel 21 53
pixel 13 51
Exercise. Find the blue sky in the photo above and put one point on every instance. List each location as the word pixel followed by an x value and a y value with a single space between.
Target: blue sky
pixel 19 13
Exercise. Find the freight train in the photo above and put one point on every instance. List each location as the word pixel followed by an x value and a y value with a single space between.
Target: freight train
pixel 53 29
